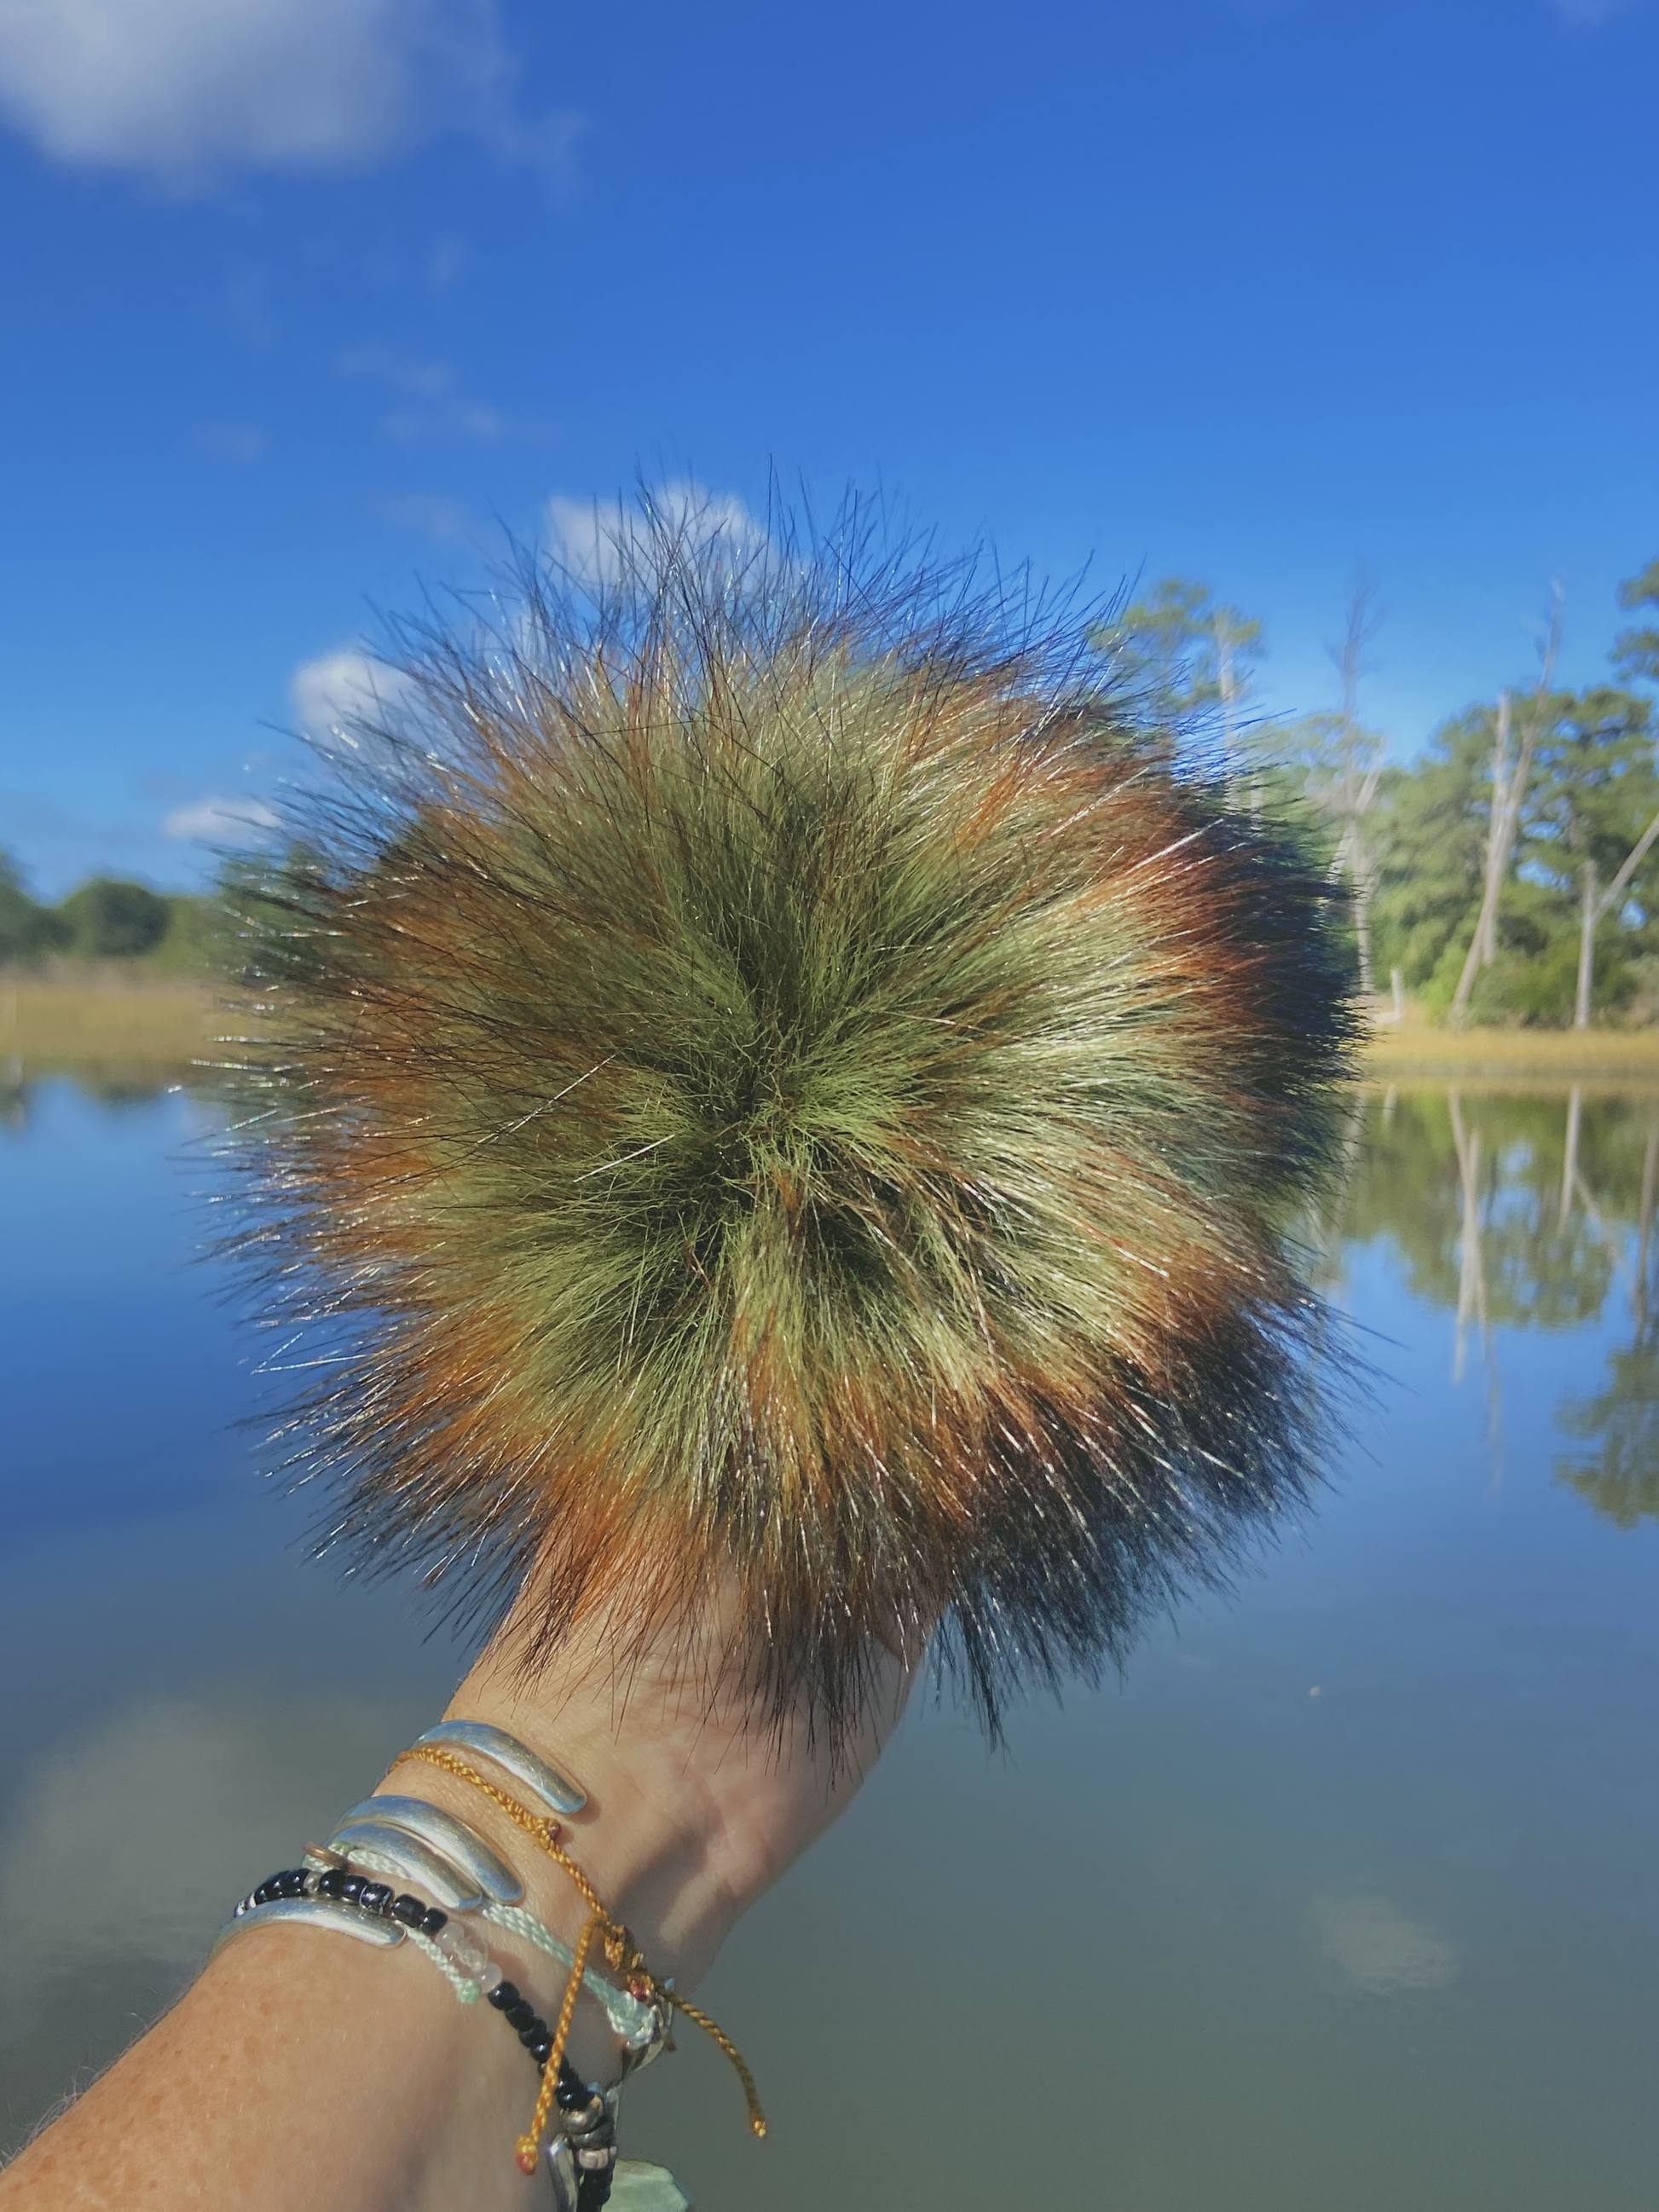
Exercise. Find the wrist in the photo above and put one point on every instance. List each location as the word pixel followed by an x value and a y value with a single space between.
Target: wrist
pixel 677 1844
pixel 691 1810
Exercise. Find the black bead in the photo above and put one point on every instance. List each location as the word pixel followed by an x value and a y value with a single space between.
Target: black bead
pixel 376 1896
pixel 432 1920
pixel 293 1882
pixel 541 2050
pixel 520 2015
pixel 331 1883
pixel 353 1887
pixel 535 2033
pixel 503 1994
pixel 409 1910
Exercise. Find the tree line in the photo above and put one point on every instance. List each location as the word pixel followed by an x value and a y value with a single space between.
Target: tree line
pixel 1510 873
pixel 108 919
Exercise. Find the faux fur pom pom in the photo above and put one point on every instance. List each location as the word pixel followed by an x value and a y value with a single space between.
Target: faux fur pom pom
pixel 781 1106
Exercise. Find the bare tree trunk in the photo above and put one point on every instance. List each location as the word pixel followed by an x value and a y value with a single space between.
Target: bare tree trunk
pixel 1499 836
pixel 1363 878
pixel 1508 796
pixel 1592 912
pixel 1358 771
pixel 1508 792
pixel 1596 909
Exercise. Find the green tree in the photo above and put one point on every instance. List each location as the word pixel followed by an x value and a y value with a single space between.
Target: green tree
pixel 107 919
pixel 1429 836
pixel 1595 796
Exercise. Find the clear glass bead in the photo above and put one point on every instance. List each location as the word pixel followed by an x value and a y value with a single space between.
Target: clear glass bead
pixel 465 1953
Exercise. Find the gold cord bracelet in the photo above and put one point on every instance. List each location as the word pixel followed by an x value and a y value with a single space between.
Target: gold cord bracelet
pixel 622 1954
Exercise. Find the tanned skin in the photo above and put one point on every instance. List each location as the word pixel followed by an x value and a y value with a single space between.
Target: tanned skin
pixel 303 2070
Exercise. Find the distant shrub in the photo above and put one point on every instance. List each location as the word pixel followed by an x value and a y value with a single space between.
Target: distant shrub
pixel 176 934
pixel 107 919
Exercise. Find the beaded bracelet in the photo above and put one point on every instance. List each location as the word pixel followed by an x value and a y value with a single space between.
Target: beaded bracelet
pixel 586 2118
pixel 584 2154
pixel 375 1898
pixel 329 1891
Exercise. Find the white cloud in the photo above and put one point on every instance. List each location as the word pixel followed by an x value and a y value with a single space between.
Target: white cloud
pixel 183 88
pixel 598 539
pixel 215 821
pixel 342 689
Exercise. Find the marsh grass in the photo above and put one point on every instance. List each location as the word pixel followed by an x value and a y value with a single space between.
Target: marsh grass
pixel 107 1025
pixel 107 1029
pixel 1416 1050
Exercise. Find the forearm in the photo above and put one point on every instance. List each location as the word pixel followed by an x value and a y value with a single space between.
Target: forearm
pixel 301 2067
pixel 303 2063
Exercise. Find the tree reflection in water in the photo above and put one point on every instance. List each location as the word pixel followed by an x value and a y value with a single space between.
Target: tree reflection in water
pixel 1528 1212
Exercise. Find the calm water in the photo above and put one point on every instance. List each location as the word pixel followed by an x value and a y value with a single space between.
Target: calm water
pixel 1347 1899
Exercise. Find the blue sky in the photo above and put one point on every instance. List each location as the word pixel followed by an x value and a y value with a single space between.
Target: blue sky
pixel 306 300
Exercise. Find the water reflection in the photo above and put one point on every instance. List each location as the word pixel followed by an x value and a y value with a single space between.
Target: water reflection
pixel 1334 1900
pixel 1529 1213
pixel 193 1784
pixel 111 1085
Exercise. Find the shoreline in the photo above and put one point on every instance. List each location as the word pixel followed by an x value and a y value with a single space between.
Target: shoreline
pixel 112 1023
pixel 1523 1059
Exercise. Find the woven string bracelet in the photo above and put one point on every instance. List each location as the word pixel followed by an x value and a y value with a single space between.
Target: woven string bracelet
pixel 621 1953
pixel 638 2029
pixel 586 2116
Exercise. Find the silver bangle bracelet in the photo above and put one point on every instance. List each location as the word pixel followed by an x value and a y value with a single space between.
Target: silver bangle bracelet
pixel 311 1912
pixel 415 1862
pixel 556 1791
pixel 451 1838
